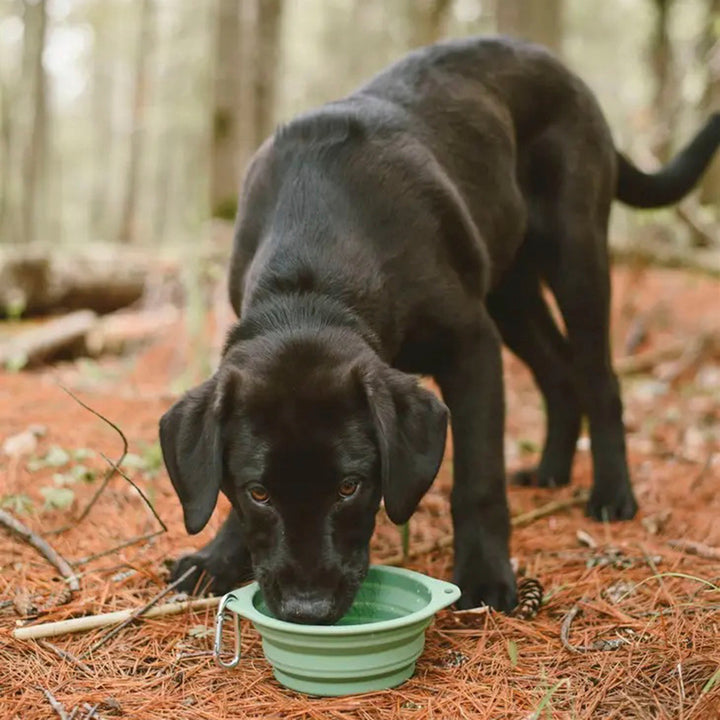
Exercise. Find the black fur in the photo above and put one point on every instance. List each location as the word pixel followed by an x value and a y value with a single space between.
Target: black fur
pixel 397 231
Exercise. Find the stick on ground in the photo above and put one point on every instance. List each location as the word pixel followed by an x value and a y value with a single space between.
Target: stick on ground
pixel 57 706
pixel 92 622
pixel 695 548
pixel 517 521
pixel 50 554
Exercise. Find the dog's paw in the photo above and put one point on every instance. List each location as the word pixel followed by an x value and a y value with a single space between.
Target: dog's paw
pixel 209 575
pixel 499 593
pixel 620 504
pixel 536 477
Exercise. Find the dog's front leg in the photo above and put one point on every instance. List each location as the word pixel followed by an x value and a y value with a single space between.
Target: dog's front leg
pixel 472 387
pixel 222 565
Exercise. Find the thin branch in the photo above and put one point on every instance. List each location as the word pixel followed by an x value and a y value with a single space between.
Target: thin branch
pixel 518 521
pixel 65 655
pixel 695 548
pixel 565 629
pixel 140 611
pixel 124 475
pixel 42 546
pixel 92 622
pixel 121 546
pixel 108 475
pixel 57 706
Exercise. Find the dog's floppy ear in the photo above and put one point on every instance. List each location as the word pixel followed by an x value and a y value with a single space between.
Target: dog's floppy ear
pixel 411 427
pixel 190 439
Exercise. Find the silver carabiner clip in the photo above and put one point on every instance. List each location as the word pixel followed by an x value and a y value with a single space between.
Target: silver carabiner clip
pixel 219 622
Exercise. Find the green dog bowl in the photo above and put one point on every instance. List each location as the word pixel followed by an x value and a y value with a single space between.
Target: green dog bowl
pixel 373 647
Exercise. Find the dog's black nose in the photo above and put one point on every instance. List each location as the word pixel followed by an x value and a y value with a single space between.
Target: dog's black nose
pixel 308 610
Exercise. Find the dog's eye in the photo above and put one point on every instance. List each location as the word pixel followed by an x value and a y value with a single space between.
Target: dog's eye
pixel 259 494
pixel 348 487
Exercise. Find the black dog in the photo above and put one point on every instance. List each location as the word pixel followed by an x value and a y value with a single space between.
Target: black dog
pixel 397 231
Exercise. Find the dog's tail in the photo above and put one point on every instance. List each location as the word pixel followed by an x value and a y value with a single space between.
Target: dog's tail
pixel 676 179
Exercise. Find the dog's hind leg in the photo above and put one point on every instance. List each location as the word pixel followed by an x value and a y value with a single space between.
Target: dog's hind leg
pixel 529 330
pixel 580 281
pixel 222 565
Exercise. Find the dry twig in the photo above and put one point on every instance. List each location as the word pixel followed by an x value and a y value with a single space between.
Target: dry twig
pixel 517 521
pixel 57 706
pixel 108 475
pixel 65 655
pixel 92 622
pixel 140 611
pixel 691 547
pixel 50 554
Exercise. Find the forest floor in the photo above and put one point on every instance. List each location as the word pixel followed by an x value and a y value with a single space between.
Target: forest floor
pixel 644 643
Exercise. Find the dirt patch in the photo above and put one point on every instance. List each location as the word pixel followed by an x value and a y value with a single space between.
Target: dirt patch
pixel 646 615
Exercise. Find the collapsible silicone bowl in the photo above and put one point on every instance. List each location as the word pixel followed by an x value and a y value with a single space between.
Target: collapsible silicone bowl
pixel 373 647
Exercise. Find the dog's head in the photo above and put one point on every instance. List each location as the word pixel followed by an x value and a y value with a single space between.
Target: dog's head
pixel 304 437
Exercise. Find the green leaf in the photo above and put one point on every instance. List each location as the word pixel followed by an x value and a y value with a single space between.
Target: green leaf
pixel 56 457
pixel 58 498
pixel 82 472
pixel 81 454
pixel 512 650
pixel 133 462
pixel 63 479
pixel 18 504
pixel 152 455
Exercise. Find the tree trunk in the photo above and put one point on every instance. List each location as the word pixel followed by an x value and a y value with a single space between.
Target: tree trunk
pixel 34 82
pixel 5 161
pixel 710 53
pixel 427 20
pixel 225 172
pixel 248 41
pixel 102 85
pixel 665 100
pixel 536 20
pixel 145 38
pixel 269 25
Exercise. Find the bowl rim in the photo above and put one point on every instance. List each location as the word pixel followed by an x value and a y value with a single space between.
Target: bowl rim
pixel 442 594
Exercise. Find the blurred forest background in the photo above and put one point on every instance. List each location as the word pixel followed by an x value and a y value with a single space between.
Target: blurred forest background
pixel 131 121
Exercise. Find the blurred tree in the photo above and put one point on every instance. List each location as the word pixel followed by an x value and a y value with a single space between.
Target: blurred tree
pixel 267 54
pixel 709 50
pixel 34 83
pixel 665 97
pixel 101 91
pixel 247 58
pixel 5 158
pixel 427 20
pixel 137 130
pixel 538 20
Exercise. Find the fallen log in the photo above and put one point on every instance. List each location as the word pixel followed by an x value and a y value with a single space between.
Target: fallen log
pixel 38 278
pixel 123 331
pixel 63 336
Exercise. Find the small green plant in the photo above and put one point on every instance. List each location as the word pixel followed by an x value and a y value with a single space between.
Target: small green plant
pixel 57 498
pixel 18 504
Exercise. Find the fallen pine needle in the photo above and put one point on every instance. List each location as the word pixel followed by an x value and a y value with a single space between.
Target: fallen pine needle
pixel 42 546
pixel 92 622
